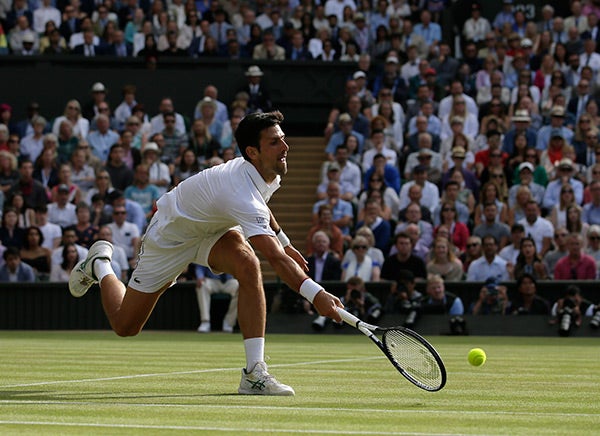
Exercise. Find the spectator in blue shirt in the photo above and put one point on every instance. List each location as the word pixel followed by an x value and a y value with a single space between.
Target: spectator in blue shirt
pixel 14 270
pixel 430 31
pixel 591 210
pixel 343 214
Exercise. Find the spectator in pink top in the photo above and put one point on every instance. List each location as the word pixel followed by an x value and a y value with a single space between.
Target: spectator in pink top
pixel 576 265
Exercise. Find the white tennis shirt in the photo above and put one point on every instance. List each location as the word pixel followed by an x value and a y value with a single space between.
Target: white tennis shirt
pixel 214 200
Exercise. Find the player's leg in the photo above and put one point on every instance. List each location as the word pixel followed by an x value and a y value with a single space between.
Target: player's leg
pixel 127 310
pixel 231 254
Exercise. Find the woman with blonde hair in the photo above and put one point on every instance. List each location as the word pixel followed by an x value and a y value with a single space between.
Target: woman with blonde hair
pixel 459 109
pixel 444 262
pixel 373 252
pixel 362 265
pixel 72 113
pixel 8 170
pixel 558 214
pixel 203 143
pixel 517 212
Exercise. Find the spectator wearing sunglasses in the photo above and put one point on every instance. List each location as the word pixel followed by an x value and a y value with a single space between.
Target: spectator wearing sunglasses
pixel 361 265
pixel 565 177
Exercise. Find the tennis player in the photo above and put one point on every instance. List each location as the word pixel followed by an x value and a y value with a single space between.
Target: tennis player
pixel 214 218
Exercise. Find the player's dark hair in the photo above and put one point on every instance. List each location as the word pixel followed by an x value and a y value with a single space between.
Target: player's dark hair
pixel 248 131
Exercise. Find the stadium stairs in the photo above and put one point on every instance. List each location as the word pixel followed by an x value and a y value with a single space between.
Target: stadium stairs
pixel 292 203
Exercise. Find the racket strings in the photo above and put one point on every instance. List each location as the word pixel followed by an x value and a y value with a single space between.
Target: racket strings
pixel 414 358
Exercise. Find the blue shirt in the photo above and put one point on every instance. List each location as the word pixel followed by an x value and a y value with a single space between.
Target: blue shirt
pixel 338 139
pixel 591 214
pixel 431 33
pixel 552 195
pixel 342 209
pixel 480 270
pixel 391 176
pixel 503 17
pixel 145 197
pixel 101 143
pixel 434 125
pixel 508 144
pixel 205 272
pixel 543 136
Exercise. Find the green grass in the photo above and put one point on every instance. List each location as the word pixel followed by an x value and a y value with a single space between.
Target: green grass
pixel 172 382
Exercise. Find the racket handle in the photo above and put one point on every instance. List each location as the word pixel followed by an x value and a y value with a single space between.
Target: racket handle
pixel 348 318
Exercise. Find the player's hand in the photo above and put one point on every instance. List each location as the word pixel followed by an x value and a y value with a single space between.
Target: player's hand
pixel 327 304
pixel 297 256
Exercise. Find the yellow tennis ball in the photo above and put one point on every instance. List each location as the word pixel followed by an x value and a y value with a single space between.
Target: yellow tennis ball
pixel 477 357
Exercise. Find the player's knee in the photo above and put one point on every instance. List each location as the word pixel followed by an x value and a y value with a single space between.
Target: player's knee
pixel 124 330
pixel 247 268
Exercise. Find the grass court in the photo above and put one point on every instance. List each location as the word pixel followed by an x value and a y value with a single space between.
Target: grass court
pixel 74 382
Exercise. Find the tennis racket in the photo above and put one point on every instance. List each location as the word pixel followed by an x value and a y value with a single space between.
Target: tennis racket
pixel 409 352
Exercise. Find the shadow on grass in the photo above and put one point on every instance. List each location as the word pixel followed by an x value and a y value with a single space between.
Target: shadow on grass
pixel 61 396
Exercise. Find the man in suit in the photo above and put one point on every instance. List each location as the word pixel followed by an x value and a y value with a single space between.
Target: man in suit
pixel 260 99
pixel 322 264
pixel 593 31
pixel 88 48
pixel 297 50
pixel 577 102
pixel 120 47
pixel 70 24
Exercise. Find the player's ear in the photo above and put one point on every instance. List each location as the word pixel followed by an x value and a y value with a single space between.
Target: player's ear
pixel 252 151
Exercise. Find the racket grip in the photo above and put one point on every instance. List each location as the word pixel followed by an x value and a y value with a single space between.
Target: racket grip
pixel 348 318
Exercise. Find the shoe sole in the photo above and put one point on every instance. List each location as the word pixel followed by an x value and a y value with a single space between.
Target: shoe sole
pixel 279 394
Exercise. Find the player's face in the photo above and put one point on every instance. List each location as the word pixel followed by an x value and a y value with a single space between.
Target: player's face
pixel 271 159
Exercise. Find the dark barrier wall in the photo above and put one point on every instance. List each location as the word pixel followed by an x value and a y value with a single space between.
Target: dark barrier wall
pixel 304 92
pixel 43 306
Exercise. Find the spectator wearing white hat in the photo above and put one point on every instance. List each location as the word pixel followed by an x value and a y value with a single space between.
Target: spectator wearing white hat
pixel 544 135
pixel 260 99
pixel 525 171
pixel 564 177
pixel 98 93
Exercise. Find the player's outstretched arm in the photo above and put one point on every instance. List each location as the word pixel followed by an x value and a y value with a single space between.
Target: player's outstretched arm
pixel 290 272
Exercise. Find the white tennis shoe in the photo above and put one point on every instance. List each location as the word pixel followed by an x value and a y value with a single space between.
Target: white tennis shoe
pixel 260 382
pixel 82 277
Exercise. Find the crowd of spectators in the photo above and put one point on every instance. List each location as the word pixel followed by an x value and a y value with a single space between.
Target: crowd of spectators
pixel 480 165
pixel 95 172
pixel 472 161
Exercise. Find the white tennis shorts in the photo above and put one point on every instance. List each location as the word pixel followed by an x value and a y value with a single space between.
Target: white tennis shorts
pixel 160 261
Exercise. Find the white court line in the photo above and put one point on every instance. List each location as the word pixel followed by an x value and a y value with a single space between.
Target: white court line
pixel 223 429
pixel 167 374
pixel 307 409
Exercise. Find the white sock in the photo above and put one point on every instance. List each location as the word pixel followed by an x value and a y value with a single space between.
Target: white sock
pixel 102 268
pixel 255 352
